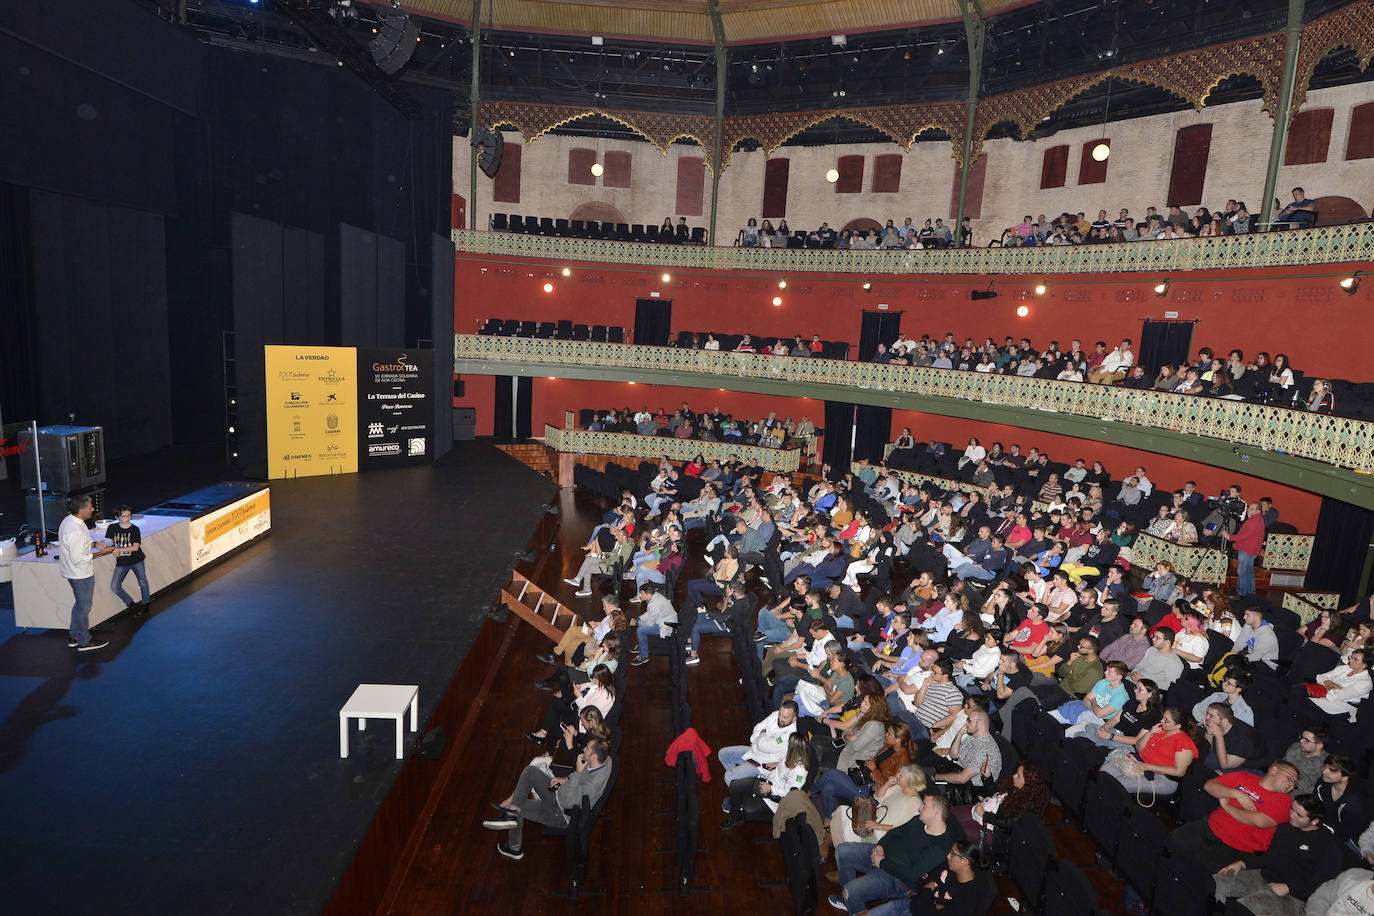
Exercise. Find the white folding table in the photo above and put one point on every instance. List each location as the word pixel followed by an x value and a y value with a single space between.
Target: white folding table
pixel 381 701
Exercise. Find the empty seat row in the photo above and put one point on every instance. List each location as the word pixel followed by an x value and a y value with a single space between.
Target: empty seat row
pixel 549 330
pixel 590 229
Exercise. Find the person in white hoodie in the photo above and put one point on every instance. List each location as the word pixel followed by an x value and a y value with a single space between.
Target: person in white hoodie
pixel 767 745
pixel 1351 893
pixel 1344 686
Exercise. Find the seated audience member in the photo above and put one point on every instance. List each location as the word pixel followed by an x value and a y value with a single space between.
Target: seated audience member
pixel 1102 703
pixel 587 636
pixel 1299 214
pixel 1010 675
pixel 1243 825
pixel 1130 647
pixel 898 863
pixel 1232 693
pixel 757 797
pixel 1114 365
pixel 1080 673
pixel 766 748
pixel 1160 663
pixel 1166 751
pixel 1256 642
pixel 1308 755
pixel 959 888
pixel 1191 644
pixel 601 562
pixel 1302 855
pixel 1136 716
pixel 836 785
pixel 896 802
pixel 1344 895
pixel 1232 744
pixel 974 760
pixel 657 620
pixel 1337 691
pixel 935 703
pixel 545 800
pixel 1347 807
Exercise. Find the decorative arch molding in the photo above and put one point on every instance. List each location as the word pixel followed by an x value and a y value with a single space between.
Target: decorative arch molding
pixel 662 129
pixel 1349 27
pixel 598 210
pixel 1191 76
pixel 902 124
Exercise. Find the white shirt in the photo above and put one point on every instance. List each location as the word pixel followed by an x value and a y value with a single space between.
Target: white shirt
pixel 768 743
pixel 74 549
pixel 1143 484
pixel 981 663
pixel 711 345
pixel 1350 689
pixel 1117 360
pixel 783 779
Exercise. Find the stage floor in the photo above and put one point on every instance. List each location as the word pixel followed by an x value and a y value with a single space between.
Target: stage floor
pixel 192 767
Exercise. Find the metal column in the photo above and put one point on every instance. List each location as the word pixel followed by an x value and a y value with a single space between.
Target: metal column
pixel 1279 141
pixel 722 60
pixel 975 29
pixel 473 98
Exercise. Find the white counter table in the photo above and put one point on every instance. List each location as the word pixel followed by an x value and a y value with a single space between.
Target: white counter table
pixel 174 546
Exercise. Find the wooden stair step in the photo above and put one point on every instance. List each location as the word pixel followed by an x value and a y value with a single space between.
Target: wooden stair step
pixel 537 607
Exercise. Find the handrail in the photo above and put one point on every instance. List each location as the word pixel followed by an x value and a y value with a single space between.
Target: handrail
pixel 1346 243
pixel 631 445
pixel 1339 441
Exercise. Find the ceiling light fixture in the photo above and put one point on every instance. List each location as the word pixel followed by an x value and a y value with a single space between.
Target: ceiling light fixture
pixel 1103 149
pixel 868 286
pixel 1351 284
pixel 1040 289
pixel 1162 288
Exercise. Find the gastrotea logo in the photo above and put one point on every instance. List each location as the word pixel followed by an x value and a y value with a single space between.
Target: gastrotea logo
pixel 399 366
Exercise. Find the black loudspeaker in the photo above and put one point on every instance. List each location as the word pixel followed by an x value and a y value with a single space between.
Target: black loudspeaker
pixel 492 145
pixel 432 744
pixel 982 294
pixel 459 388
pixel 464 424
pixel 395 41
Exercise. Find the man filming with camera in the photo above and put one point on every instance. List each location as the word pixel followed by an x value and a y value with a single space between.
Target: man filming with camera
pixel 1249 544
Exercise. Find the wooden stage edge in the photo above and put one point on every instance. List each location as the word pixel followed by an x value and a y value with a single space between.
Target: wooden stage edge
pixel 374 877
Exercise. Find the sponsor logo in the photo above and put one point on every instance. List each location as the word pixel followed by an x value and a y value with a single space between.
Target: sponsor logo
pixel 295 395
pixel 296 425
pixel 288 374
pixel 416 446
pixel 6 449
pixel 384 448
pixel 391 430
pixel 295 457
pixel 332 421
pixel 399 366
pixel 312 356
pixel 374 430
pixel 333 449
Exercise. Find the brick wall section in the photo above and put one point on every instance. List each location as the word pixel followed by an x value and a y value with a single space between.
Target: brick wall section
pixel 1137 174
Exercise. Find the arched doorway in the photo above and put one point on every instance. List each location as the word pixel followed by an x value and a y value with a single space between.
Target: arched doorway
pixel 599 211
pixel 861 224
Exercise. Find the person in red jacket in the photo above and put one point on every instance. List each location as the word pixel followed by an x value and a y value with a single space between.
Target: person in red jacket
pixel 1249 544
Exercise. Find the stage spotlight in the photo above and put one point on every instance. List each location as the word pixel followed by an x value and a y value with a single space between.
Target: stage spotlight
pixel 777 301
pixel 1162 288
pixel 548 287
pixel 667 278
pixel 782 284
pixel 567 271
pixel 1022 311
pixel 1351 284
pixel 1040 289
pixel 868 286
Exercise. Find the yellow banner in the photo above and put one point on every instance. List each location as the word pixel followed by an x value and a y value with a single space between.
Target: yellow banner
pixel 312 411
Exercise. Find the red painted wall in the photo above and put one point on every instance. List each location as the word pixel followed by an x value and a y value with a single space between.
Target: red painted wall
pixel 1309 318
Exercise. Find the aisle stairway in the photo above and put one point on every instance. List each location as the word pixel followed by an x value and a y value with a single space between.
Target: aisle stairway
pixel 538 608
pixel 535 455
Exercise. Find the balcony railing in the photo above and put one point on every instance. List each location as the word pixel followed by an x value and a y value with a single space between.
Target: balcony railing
pixel 652 448
pixel 1349 243
pixel 1339 441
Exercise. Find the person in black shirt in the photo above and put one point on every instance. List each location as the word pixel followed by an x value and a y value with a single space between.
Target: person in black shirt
pixel 958 889
pixel 1303 854
pixel 129 557
pixel 1234 744
pixel 1107 625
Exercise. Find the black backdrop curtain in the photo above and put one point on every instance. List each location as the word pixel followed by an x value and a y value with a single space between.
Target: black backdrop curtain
pixel 1344 533
pixel 512 401
pixel 878 327
pixel 1163 342
pixel 872 428
pixel 839 429
pixel 653 321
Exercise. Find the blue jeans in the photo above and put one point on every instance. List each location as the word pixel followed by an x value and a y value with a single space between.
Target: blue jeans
pixel 643 634
pixel 699 589
pixel 647 574
pixel 836 788
pixel 1245 573
pixel 876 885
pixel 84 590
pixel 704 625
pixel 732 758
pixel 773 629
pixel 117 583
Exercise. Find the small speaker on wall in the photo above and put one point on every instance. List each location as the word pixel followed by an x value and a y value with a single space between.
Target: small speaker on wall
pixel 459 388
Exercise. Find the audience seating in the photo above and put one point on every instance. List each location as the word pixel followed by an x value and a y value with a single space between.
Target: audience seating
pixel 586 229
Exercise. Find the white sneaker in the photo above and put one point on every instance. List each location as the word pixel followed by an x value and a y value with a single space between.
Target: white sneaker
pixel 572 581
pixel 693 660
pixel 582 593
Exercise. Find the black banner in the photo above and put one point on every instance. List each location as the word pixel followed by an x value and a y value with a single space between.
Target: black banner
pixel 395 408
